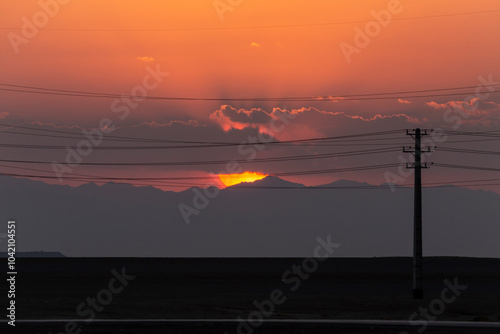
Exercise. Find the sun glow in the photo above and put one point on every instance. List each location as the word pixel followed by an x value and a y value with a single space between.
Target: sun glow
pixel 232 179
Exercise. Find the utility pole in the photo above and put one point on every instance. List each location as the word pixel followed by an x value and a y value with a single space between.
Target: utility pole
pixel 417 134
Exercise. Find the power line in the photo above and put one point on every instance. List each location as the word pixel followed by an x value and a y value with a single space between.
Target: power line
pixel 222 162
pixel 470 140
pixel 468 151
pixel 103 180
pixel 264 98
pixel 367 187
pixel 201 144
pixel 490 169
pixel 491 133
pixel 278 174
pixel 351 97
pixel 376 133
pixel 303 25
pixel 322 141
pixel 159 147
pixel 154 183
pixel 343 138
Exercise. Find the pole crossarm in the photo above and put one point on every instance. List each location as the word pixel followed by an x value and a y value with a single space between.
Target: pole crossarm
pixel 423 132
pixel 411 165
pixel 411 149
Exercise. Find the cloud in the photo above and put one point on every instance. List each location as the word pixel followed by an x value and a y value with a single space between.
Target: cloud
pixel 231 118
pixel 255 45
pixel 145 59
pixel 404 101
pixel 302 122
pixel 464 105
pixel 437 106
pixel 4 114
pixel 475 113
pixel 473 107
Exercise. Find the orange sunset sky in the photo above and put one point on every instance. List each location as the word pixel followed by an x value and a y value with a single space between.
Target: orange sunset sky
pixel 288 48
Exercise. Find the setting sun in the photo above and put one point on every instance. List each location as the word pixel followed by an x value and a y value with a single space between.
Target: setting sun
pixel 232 179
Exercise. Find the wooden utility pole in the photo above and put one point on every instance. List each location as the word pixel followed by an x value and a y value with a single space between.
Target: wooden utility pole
pixel 417 208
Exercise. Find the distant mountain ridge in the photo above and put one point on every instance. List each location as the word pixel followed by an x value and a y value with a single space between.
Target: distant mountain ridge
pixel 123 220
pixel 270 181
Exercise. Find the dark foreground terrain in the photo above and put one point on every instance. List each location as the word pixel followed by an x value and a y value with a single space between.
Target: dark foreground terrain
pixel 378 288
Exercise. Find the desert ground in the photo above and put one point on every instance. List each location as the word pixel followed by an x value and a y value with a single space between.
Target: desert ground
pixel 228 288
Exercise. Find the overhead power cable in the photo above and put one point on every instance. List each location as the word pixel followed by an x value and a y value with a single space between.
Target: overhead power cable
pixel 222 162
pixel 467 151
pixel 337 97
pixel 274 26
pixel 278 174
pixel 490 169
pixel 110 137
